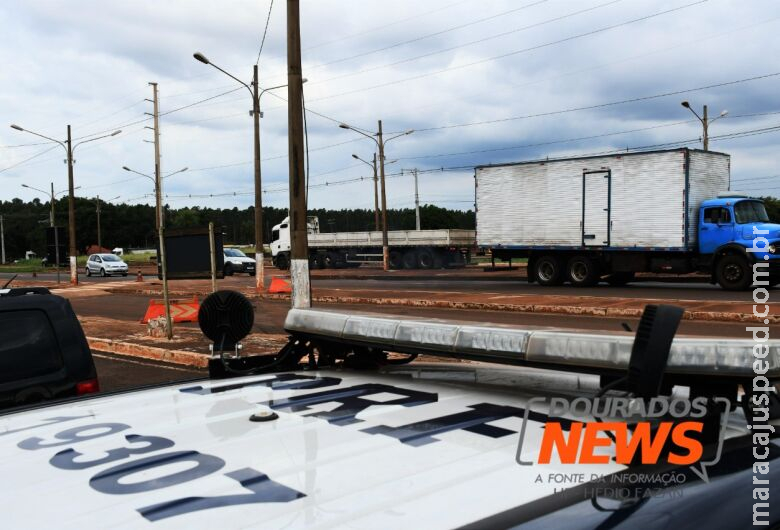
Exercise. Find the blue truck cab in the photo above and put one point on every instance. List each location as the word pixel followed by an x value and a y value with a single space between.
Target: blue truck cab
pixel 734 234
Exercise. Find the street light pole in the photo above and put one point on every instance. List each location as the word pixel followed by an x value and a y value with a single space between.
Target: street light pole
pixel 380 142
pixel 51 214
pixel 705 122
pixel 74 274
pixel 376 189
pixel 100 246
pixel 69 148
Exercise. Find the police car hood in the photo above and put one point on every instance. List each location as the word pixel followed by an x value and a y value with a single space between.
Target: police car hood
pixel 423 447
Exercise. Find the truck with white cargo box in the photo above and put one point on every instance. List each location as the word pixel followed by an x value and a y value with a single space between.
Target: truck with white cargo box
pixel 580 220
pixel 409 249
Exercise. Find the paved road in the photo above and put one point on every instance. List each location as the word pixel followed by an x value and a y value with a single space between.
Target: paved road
pixel 119 373
pixel 644 290
pixel 270 314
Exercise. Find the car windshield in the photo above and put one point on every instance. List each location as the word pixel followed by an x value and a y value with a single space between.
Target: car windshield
pixel 110 257
pixel 750 212
pixel 234 253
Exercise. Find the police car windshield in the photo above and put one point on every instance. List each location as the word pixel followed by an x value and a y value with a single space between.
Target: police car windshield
pixel 234 253
pixel 750 212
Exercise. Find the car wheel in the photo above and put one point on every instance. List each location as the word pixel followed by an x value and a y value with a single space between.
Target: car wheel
pixel 103 272
pixel 582 271
pixel 733 273
pixel 281 262
pixel 548 270
pixel 124 274
pixel 89 273
pixel 228 270
pixel 395 259
pixel 425 259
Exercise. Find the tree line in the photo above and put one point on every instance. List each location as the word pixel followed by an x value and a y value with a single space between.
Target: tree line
pixel 133 225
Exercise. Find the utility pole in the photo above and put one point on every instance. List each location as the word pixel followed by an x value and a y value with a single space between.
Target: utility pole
pixel 376 197
pixel 385 243
pixel 705 122
pixel 2 240
pixel 416 201
pixel 299 264
pixel 74 273
pixel 100 246
pixel 705 127
pixel 51 214
pixel 259 254
pixel 161 213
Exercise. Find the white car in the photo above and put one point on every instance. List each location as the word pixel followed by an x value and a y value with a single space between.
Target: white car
pixel 237 261
pixel 105 265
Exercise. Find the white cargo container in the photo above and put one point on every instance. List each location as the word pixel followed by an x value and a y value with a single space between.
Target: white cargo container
pixel 582 219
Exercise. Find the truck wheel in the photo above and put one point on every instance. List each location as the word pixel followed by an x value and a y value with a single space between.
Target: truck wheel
pixel 617 279
pixel 548 270
pixel 282 262
pixel 425 259
pixel 410 259
pixel 582 271
pixel 395 259
pixel 320 259
pixel 733 273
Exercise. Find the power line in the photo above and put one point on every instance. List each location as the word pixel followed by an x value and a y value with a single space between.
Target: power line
pixel 466 44
pixel 36 155
pixel 430 35
pixel 265 31
pixel 516 52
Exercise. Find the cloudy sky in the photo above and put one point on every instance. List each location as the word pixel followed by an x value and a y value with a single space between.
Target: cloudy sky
pixel 479 81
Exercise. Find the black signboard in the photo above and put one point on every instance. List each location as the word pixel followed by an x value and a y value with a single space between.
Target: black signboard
pixel 54 241
pixel 188 255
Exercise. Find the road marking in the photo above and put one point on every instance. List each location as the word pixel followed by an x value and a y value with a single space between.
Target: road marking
pixel 155 365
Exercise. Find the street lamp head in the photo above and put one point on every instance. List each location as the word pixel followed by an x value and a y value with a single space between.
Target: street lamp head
pixel 116 132
pixel 304 80
pixel 410 131
pixel 200 57
pixel 344 126
pixel 353 156
pixel 686 104
pixel 723 113
pixel 14 126
pixel 126 168
pixel 25 186
pixel 184 169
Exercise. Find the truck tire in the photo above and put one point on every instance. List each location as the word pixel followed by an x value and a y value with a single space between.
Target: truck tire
pixel 395 259
pixel 733 273
pixel 425 259
pixel 617 279
pixel 548 270
pixel 334 260
pixel 320 259
pixel 282 263
pixel 582 271
pixel 410 259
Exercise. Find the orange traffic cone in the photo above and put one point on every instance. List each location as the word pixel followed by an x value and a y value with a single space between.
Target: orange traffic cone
pixel 279 285
pixel 139 277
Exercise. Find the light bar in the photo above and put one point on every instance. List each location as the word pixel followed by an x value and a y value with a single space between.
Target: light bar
pixel 544 347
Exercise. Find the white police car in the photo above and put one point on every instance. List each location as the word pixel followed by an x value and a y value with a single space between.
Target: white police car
pixel 348 439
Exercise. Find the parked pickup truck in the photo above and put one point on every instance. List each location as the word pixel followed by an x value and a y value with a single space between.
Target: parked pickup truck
pixel 580 220
pixel 409 249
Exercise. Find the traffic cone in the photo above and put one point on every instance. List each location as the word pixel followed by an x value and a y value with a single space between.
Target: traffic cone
pixel 139 277
pixel 279 285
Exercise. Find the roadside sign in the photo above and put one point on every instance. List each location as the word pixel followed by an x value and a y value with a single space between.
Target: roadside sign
pixel 188 254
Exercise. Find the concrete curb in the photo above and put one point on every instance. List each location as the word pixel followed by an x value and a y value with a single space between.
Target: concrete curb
pixel 130 349
pixel 712 316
